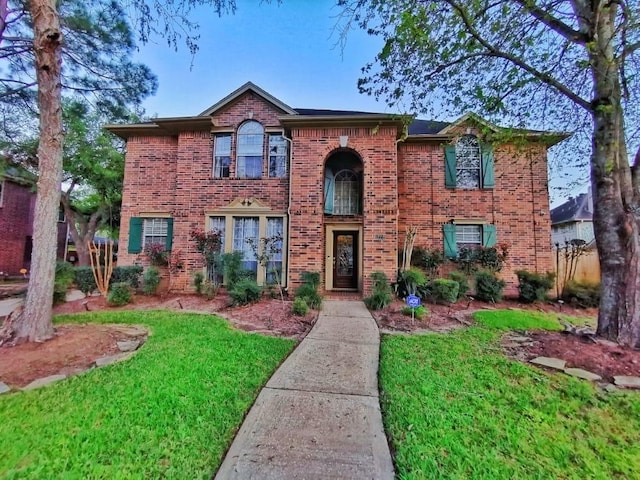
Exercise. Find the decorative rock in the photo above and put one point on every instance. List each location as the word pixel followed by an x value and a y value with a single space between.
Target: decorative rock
pixel 4 388
pixel 610 387
pixel 128 345
pixel 627 381
pixel 584 374
pixel 118 357
pixel 42 382
pixel 550 362
pixel 520 339
pixel 607 343
pixel 131 330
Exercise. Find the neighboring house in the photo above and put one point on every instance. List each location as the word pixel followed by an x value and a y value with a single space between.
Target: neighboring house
pixel 573 220
pixel 340 187
pixel 17 204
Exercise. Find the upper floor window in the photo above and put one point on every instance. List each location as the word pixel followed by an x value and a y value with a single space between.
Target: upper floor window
pixel 278 149
pixel 469 164
pixel 222 155
pixel 249 153
pixel 1 192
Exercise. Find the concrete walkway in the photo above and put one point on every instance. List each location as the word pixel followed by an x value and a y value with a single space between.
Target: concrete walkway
pixel 319 415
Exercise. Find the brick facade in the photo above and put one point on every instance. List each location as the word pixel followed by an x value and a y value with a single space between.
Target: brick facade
pixel 169 173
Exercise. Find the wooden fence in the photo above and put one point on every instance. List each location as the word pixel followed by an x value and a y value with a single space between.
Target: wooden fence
pixel 587 267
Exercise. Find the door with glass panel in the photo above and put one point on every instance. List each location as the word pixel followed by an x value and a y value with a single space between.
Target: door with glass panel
pixel 345 259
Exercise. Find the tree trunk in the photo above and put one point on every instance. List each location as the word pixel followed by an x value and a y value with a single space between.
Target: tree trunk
pixel 615 219
pixel 34 324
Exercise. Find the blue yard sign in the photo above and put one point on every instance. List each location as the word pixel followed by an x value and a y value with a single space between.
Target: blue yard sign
pixel 413 301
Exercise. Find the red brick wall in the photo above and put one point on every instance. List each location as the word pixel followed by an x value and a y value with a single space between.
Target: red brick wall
pixel 518 204
pixel 16 219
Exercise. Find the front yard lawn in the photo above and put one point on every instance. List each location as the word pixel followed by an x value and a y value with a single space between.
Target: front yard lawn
pixel 455 407
pixel 169 412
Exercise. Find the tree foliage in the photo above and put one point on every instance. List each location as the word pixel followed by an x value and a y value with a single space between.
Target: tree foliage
pixel 542 63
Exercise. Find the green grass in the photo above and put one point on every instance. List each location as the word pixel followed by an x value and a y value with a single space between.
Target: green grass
pixel 169 412
pixel 518 320
pixel 455 407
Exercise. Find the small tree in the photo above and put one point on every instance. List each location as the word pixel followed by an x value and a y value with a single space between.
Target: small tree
pixel 265 250
pixel 209 245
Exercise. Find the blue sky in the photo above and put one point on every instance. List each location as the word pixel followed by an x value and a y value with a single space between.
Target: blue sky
pixel 290 50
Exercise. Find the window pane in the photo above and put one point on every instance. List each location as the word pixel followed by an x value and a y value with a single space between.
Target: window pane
pixel 246 228
pixel 469 235
pixel 222 155
pixel 278 148
pixel 250 150
pixel 275 229
pixel 346 195
pixel 154 230
pixel 468 161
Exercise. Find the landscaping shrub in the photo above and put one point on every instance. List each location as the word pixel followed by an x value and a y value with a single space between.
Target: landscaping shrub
pixel 409 282
pixel 489 287
pixel 209 289
pixel 129 274
pixel 533 287
pixel 418 313
pixel 463 283
pixel 151 279
pixel 310 295
pixel 233 270
pixel 582 294
pixel 198 280
pixel 428 260
pixel 63 280
pixel 381 292
pixel 311 278
pixel 444 291
pixel 120 294
pixel 245 291
pixel 299 307
pixel 85 281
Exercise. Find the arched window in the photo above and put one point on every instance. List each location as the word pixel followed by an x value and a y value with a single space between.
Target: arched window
pixel 250 150
pixel 346 193
pixel 468 162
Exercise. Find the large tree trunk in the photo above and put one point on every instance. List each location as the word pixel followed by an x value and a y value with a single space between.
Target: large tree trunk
pixel 34 324
pixel 616 221
pixel 80 229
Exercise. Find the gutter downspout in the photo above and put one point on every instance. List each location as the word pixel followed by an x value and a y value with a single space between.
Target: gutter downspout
pixel 290 141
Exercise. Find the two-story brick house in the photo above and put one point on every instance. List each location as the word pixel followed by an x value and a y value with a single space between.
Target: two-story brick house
pixel 341 188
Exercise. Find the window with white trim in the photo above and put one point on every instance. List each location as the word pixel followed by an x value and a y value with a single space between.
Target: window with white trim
pixel 346 194
pixel 468 236
pixel 278 153
pixel 222 155
pixel 1 192
pixel 154 230
pixel 468 162
pixel 274 231
pixel 250 142
pixel 245 230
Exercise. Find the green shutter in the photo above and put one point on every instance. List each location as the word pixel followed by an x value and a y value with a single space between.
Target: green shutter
pixel 488 179
pixel 169 241
pixel 135 235
pixel 450 166
pixel 488 235
pixel 450 247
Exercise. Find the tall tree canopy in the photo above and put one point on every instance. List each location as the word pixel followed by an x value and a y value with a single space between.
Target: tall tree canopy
pixel 553 63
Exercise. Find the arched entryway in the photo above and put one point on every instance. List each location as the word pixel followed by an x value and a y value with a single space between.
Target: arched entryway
pixel 343 202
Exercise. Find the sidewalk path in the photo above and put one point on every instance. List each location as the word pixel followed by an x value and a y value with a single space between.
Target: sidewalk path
pixel 319 415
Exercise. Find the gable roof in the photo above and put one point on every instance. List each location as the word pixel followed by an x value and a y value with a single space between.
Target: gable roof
pixel 248 87
pixel 573 210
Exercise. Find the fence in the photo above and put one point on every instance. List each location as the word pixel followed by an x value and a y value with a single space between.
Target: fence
pixel 587 267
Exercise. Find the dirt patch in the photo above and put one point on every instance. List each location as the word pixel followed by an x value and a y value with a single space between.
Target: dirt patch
pixel 607 359
pixel 73 349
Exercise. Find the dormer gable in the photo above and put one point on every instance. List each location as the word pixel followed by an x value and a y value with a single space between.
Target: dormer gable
pixel 244 89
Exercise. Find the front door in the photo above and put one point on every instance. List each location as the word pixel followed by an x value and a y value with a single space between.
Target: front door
pixel 345 259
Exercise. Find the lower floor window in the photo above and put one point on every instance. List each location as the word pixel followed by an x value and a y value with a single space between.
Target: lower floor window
pixel 154 231
pixel 245 234
pixel 467 236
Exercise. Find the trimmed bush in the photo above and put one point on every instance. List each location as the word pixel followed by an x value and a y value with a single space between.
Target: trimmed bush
pixel 533 287
pixel 63 280
pixel 418 313
pixel 120 294
pixel 381 292
pixel 198 280
pixel 463 283
pixel 151 280
pixel 299 307
pixel 244 292
pixel 428 260
pixel 233 271
pixel 209 289
pixel 582 295
pixel 310 295
pixel 129 274
pixel 489 287
pixel 84 279
pixel 311 278
pixel 444 291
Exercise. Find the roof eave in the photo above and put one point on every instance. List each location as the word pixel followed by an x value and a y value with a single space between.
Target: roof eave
pixel 170 126
pixel 241 91
pixel 340 120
